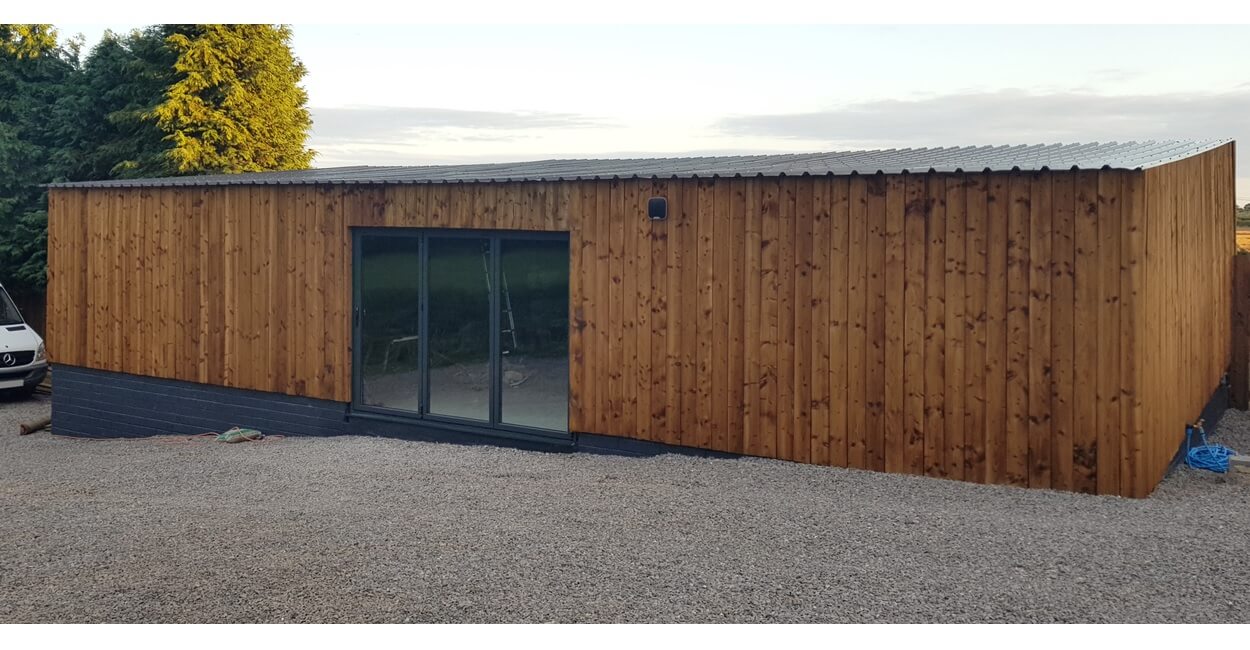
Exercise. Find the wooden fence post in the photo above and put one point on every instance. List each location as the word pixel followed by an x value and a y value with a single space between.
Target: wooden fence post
pixel 1239 374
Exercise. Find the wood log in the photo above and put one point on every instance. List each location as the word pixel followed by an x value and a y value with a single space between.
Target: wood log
pixel 28 428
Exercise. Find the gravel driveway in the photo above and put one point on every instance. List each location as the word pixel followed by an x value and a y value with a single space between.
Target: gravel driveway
pixel 381 530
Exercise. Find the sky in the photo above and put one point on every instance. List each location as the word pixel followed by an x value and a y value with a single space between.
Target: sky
pixel 429 94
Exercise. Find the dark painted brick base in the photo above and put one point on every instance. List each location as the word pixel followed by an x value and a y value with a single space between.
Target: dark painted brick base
pixel 103 404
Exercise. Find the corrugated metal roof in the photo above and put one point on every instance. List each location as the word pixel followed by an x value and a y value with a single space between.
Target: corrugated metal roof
pixel 1095 155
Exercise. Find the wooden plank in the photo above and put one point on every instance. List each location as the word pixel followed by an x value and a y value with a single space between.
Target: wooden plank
pixel 280 349
pixel 857 338
pixel 232 233
pixel 630 306
pixel 704 325
pixel 933 456
pixel 1109 333
pixel 603 271
pixel 171 278
pixel 791 444
pixel 203 230
pixel 337 288
pixel 954 272
pixel 588 297
pixel 687 321
pixel 1063 333
pixel 802 331
pixel 885 294
pixel 907 451
pixel 661 426
pixel 1085 322
pixel 616 315
pixel 315 250
pixel 1041 269
pixel 997 200
pixel 975 321
pixel 753 314
pixel 737 244
pixel 673 338
pixel 85 257
pixel 1134 480
pixel 303 375
pixel 644 376
pixel 819 295
pixel 99 318
pixel 718 331
pixel 136 255
pixel 179 250
pixel 259 221
pixel 834 325
pixel 770 284
pixel 1016 470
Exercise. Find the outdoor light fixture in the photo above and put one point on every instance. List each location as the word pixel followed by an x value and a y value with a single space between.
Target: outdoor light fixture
pixel 657 208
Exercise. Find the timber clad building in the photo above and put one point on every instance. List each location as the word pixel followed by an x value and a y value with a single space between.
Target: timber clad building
pixel 1047 316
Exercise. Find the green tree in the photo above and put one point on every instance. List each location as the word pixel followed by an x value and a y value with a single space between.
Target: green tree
pixel 35 113
pixel 236 105
pixel 123 80
pixel 159 101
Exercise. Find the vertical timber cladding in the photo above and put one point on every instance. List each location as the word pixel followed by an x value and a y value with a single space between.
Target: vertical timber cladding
pixel 985 327
pixel 971 326
pixel 1184 304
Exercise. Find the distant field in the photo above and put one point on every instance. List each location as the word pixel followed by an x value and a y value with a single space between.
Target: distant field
pixel 1243 228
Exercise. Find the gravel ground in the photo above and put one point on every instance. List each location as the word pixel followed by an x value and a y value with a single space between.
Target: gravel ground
pixel 358 529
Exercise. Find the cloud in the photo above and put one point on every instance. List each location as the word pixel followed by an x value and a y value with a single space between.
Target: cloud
pixel 1009 116
pixel 384 124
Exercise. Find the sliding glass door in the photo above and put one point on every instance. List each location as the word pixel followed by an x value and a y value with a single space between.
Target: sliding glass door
pixel 534 343
pixel 467 328
pixel 459 301
pixel 388 291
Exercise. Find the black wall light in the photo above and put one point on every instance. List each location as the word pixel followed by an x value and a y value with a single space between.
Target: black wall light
pixel 657 208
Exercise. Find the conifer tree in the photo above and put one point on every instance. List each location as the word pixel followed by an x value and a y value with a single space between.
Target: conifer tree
pixel 163 100
pixel 236 105
pixel 35 73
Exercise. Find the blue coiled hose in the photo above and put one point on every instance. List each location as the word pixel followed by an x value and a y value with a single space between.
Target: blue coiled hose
pixel 1213 458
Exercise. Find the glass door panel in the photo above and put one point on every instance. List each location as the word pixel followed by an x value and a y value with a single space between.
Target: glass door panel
pixel 458 309
pixel 534 333
pixel 390 288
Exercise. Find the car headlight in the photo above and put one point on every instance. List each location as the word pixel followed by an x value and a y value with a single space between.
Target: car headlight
pixel 40 353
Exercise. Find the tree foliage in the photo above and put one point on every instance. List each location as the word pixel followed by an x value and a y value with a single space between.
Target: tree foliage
pixel 159 101
pixel 236 106
pixel 35 76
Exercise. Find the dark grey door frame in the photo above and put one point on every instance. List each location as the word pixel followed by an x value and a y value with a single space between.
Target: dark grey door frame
pixel 495 425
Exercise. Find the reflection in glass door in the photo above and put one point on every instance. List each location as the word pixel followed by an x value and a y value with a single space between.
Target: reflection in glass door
pixel 534 333
pixel 464 327
pixel 459 326
pixel 390 273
